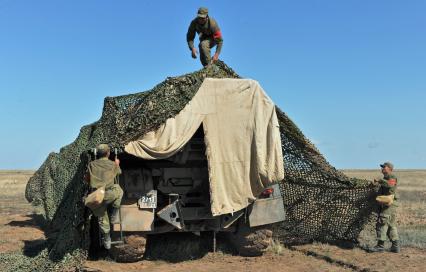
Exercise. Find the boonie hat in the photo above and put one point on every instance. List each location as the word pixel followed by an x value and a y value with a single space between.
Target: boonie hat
pixel 202 12
pixel 388 164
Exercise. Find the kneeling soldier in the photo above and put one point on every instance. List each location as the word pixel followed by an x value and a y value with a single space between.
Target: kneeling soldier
pixel 103 173
pixel 388 201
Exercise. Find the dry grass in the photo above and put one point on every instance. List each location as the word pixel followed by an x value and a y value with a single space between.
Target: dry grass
pixel 12 192
pixel 276 247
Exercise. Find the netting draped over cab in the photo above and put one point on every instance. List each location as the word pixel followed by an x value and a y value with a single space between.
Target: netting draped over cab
pixel 321 202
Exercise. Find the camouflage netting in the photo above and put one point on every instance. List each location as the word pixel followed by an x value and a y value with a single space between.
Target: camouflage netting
pixel 321 202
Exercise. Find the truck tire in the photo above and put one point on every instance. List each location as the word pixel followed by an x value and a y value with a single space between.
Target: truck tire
pixel 132 250
pixel 251 242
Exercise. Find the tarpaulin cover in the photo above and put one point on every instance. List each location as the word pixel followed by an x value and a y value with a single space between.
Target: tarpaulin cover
pixel 242 137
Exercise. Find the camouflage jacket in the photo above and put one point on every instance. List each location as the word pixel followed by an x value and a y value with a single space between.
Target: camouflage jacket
pixel 210 30
pixel 388 185
pixel 103 172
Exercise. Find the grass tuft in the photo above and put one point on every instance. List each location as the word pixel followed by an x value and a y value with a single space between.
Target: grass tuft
pixel 276 247
pixel 414 236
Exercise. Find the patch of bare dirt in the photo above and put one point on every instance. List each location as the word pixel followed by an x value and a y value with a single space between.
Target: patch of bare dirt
pixel 410 259
pixel 18 232
pixel 18 229
pixel 287 261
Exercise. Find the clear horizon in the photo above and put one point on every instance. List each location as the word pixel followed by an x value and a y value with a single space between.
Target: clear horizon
pixel 350 74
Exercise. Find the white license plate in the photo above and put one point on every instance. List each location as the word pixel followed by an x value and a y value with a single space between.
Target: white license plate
pixel 148 201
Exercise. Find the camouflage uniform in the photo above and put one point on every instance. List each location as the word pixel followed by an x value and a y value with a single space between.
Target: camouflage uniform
pixel 103 172
pixel 386 222
pixel 208 33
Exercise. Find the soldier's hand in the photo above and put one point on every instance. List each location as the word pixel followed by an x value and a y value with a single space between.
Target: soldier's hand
pixel 117 162
pixel 215 57
pixel 194 53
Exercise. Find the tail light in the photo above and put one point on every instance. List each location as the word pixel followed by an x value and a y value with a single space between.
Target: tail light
pixel 268 192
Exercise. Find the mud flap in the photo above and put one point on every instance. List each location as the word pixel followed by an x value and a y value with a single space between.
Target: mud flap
pixel 266 211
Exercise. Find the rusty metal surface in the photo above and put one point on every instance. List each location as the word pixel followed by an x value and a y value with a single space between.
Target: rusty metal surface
pixel 135 219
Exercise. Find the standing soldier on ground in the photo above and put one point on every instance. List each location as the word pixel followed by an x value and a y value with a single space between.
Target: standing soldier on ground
pixel 103 173
pixel 388 201
pixel 209 34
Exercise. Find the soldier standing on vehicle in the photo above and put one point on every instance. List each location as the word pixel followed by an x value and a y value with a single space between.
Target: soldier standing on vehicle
pixel 388 201
pixel 209 34
pixel 103 173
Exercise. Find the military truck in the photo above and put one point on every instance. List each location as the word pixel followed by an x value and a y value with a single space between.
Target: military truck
pixel 172 195
pixel 209 168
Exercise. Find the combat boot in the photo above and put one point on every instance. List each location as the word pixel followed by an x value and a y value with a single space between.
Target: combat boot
pixel 395 248
pixel 115 216
pixel 106 241
pixel 380 247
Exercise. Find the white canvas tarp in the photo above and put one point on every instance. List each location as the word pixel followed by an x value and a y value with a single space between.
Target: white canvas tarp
pixel 242 137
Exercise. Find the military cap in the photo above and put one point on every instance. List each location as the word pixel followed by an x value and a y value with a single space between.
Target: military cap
pixel 388 164
pixel 103 148
pixel 202 12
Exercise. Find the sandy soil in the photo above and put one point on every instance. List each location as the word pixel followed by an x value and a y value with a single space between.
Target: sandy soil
pixel 18 231
pixel 17 225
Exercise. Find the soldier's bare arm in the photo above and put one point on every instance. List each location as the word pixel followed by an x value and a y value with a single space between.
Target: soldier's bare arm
pixel 217 36
pixel 190 36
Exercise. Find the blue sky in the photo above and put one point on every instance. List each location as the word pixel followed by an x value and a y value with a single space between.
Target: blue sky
pixel 351 74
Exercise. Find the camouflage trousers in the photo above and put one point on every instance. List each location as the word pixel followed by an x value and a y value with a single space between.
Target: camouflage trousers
pixel 386 224
pixel 112 198
pixel 205 46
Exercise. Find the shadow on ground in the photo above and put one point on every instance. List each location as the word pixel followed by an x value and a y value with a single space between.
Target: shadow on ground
pixel 34 247
pixel 179 247
pixel 174 247
pixel 33 221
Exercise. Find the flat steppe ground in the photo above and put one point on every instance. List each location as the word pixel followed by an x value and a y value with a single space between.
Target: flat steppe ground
pixel 18 230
